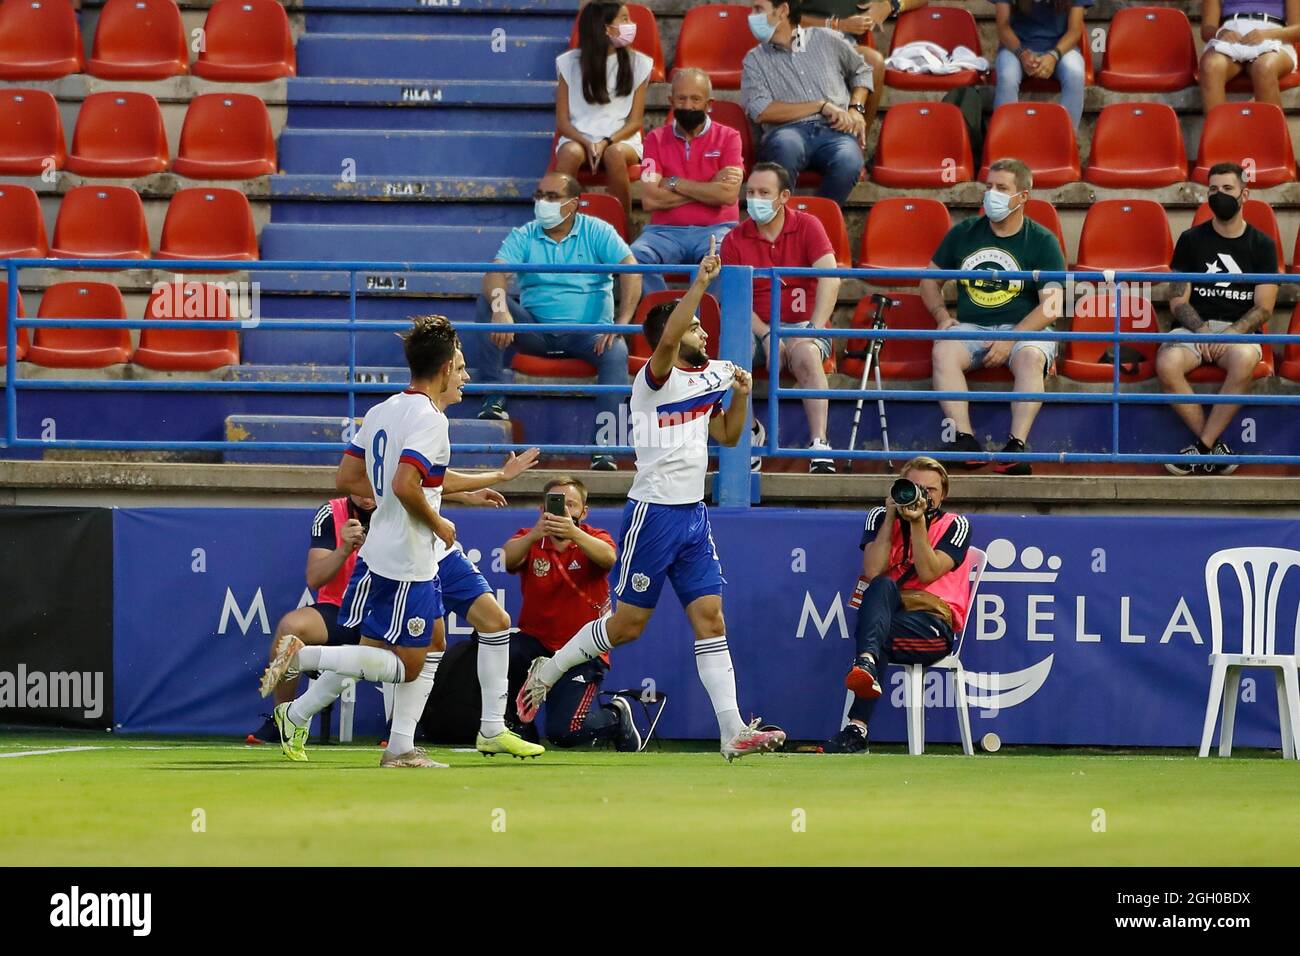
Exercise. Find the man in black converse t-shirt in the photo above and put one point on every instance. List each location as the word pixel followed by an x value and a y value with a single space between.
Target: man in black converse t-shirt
pixel 1224 244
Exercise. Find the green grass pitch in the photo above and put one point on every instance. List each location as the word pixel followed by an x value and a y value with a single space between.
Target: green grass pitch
pixel 137 801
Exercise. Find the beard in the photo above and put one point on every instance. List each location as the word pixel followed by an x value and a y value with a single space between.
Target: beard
pixel 694 355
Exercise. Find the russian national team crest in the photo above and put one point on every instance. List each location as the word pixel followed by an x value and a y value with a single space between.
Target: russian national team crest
pixel 541 567
pixel 415 626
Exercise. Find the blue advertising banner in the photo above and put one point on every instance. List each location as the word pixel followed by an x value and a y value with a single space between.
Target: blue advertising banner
pixel 1085 630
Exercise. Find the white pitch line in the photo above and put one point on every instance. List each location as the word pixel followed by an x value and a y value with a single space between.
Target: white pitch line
pixel 59 750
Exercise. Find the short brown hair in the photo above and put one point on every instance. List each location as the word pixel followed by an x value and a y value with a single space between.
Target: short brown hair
pixel 429 345
pixel 563 481
pixel 1024 177
pixel 925 463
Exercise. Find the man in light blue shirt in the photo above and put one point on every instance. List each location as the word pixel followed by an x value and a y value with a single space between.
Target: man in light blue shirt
pixel 558 235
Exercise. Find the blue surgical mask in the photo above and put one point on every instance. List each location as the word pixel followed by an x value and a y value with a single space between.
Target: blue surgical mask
pixel 760 27
pixel 548 214
pixel 997 206
pixel 761 211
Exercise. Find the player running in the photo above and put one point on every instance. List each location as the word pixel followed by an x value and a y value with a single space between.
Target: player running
pixel 395 596
pixel 675 407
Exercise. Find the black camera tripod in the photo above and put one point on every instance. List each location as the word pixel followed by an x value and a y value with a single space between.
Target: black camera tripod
pixel 871 363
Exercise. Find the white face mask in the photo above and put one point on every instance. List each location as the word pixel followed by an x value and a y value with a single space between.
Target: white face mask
pixel 626 34
pixel 549 214
pixel 997 206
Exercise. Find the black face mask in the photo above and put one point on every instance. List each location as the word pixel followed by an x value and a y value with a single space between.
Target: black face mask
pixel 1224 206
pixel 689 119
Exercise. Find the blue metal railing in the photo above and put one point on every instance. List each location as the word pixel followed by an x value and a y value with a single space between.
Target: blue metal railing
pixel 734 288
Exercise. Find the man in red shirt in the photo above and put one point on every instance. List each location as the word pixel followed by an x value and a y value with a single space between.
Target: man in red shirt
pixel 564 567
pixel 777 235
pixel 690 180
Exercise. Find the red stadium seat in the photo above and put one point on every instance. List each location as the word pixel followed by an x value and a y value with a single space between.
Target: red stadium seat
pixel 39 40
pixel 715 38
pixel 949 27
pixel 1259 214
pixel 1290 367
pixel 139 40
pixel 647 38
pixel 188 350
pixel 1095 313
pixel 81 348
pixel 638 346
pixel 1212 374
pixel 1241 83
pixel 209 224
pixel 900 359
pixel 543 366
pixel 4 326
pixel 923 146
pixel 1040 134
pixel 828 213
pixel 226 136
pixel 31 133
pixel 1035 85
pixel 606 207
pixel 101 222
pixel 1137 146
pixel 22 227
pixel 1252 134
pixel 732 114
pixel 118 135
pixel 1045 214
pixel 902 233
pixel 246 41
pixel 1149 50
pixel 1130 235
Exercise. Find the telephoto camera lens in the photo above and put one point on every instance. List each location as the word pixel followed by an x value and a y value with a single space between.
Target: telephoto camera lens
pixel 904 492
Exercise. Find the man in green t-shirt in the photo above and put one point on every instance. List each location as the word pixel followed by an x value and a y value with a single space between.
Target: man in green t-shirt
pixel 856 19
pixel 1004 239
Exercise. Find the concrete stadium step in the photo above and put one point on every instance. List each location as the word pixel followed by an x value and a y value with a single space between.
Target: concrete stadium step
pixel 255 429
pixel 316 282
pixel 414 152
pixel 541 24
pixel 421 92
pixel 405 188
pixel 506 215
pixel 432 57
pixel 456 119
pixel 338 243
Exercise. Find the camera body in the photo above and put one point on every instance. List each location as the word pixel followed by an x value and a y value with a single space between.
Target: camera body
pixel 906 492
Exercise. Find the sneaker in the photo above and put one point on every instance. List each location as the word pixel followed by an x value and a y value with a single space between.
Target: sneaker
pixel 293 739
pixel 603 463
pixel 751 740
pixel 532 695
pixel 1184 468
pixel 494 411
pixel 758 440
pixel 1220 448
pixel 1015 446
pixel 415 757
pixel 507 742
pixel 851 740
pixel 628 740
pixel 286 650
pixel 966 443
pixel 863 680
pixel 821 466
pixel 266 734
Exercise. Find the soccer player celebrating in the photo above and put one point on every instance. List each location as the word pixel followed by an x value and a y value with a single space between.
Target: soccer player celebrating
pixel 401 452
pixel 675 407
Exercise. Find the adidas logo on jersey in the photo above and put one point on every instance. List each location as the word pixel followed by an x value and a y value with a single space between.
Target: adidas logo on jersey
pixel 574 565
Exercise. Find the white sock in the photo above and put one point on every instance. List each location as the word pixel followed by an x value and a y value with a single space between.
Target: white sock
pixel 354 660
pixel 713 661
pixel 408 705
pixel 590 642
pixel 493 675
pixel 324 690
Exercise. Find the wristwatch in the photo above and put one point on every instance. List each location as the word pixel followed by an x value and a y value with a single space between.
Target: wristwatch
pixel 671 185
pixel 860 107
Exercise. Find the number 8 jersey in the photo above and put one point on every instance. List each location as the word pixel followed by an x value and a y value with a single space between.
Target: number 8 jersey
pixel 406 428
pixel 670 430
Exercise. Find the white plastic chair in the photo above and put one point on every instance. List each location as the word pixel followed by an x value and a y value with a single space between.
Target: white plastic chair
pixel 1260 588
pixel 913 698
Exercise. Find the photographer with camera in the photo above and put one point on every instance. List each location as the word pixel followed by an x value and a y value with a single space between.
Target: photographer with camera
pixel 913 593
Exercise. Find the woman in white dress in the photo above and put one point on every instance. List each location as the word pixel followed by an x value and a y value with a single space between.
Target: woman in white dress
pixel 600 101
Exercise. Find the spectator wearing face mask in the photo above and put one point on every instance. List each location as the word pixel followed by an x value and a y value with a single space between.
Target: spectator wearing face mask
pixel 600 98
pixel 690 180
pixel 558 235
pixel 777 235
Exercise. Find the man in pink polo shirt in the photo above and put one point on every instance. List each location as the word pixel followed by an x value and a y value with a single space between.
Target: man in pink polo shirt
pixel 913 595
pixel 775 234
pixel 690 180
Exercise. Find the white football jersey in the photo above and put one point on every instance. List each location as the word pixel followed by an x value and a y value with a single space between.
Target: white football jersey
pixel 408 428
pixel 670 430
